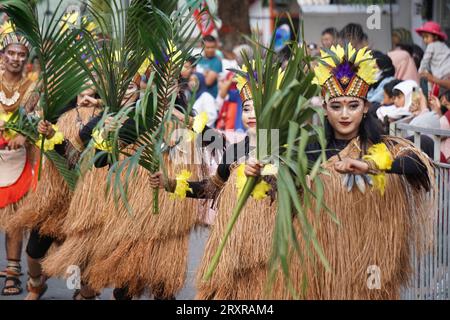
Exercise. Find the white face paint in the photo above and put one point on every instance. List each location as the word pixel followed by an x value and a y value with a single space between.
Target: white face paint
pixel 15 57
pixel 345 115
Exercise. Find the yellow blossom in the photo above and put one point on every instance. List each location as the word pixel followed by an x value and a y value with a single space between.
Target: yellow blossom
pixel 200 122
pixel 260 190
pixel 101 143
pixel 241 178
pixel 5 117
pixel 182 185
pixel 49 144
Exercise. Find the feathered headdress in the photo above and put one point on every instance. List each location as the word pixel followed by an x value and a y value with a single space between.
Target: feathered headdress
pixel 243 81
pixel 10 36
pixel 345 71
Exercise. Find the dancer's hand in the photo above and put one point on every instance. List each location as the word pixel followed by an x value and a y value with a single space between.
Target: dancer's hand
pixel 353 166
pixel 17 142
pixel 156 181
pixel 112 125
pixel 45 128
pixel 253 168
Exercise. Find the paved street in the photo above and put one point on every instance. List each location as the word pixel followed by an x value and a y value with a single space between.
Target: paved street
pixel 58 290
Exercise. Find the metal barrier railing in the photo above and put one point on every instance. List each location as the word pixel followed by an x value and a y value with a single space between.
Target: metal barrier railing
pixel 431 279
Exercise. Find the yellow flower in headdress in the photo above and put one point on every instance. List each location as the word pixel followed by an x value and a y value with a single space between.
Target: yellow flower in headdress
pixel 241 81
pixel 340 52
pixel 173 52
pixel 6 28
pixel 382 158
pixel 49 144
pixel 368 71
pixel 323 73
pixel 182 185
pixel 143 68
pixel 367 66
pixel 69 20
pixel 325 57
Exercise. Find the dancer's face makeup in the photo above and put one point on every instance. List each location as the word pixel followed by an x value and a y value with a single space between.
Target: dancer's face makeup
pixel 345 115
pixel 248 116
pixel 15 57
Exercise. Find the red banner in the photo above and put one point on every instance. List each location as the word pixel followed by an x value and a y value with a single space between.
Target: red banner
pixel 204 20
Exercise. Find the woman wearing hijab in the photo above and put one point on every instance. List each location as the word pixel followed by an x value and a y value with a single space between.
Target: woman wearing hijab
pixel 403 98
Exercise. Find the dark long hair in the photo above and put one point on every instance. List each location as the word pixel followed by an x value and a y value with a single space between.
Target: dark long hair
pixel 370 131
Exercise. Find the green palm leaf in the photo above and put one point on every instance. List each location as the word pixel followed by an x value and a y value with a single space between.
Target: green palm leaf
pixel 166 35
pixel 287 110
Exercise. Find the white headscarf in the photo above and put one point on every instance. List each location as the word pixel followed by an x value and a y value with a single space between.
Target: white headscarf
pixel 406 87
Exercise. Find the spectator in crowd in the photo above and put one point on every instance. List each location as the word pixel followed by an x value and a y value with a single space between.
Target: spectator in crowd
pixel 424 117
pixel 210 65
pixel 353 33
pixel 403 98
pixel 239 51
pixel 402 38
pixel 388 105
pixel 442 106
pixel 405 67
pixel 387 73
pixel 329 38
pixel 435 64
pixel 187 84
pixel 229 59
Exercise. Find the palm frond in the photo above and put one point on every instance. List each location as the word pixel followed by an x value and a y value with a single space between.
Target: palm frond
pixel 287 110
pixel 168 37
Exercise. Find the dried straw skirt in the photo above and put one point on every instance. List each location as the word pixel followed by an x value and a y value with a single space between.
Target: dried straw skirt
pixel 137 249
pixel 374 230
pixel 46 208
